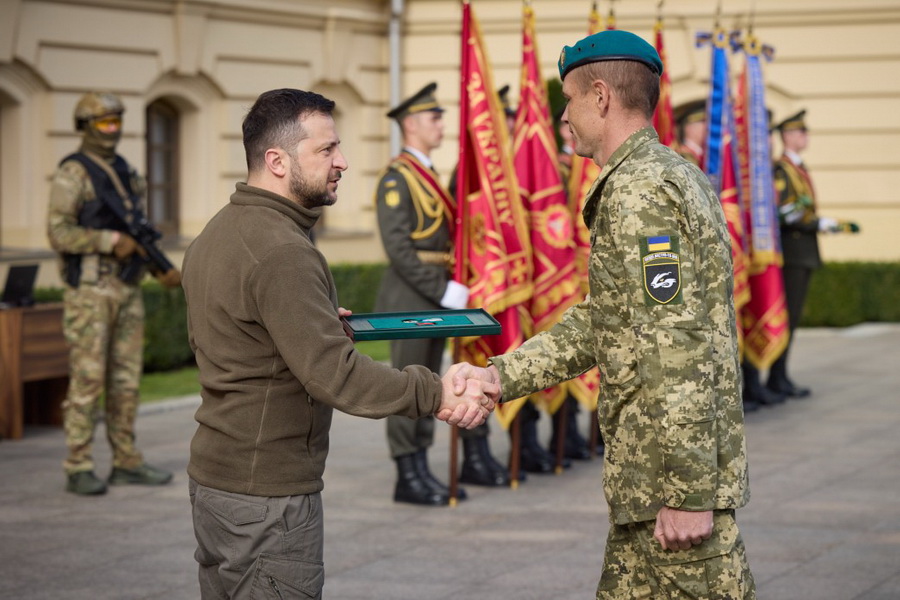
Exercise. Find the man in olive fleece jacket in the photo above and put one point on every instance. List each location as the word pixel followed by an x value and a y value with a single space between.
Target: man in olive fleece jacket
pixel 274 361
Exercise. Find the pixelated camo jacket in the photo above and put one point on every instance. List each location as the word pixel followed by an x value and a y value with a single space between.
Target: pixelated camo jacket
pixel 660 323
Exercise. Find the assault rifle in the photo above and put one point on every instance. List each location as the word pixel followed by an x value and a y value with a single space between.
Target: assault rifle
pixel 146 236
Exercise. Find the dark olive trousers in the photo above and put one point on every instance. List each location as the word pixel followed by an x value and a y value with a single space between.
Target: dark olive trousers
pixel 257 546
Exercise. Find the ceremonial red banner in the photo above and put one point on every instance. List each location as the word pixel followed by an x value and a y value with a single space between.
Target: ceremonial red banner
pixel 734 216
pixel 493 248
pixel 556 281
pixel 663 117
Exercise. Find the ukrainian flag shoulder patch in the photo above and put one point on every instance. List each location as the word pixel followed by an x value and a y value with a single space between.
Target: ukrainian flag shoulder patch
pixel 661 269
pixel 659 242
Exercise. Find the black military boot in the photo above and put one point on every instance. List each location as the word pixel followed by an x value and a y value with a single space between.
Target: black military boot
pixel 479 467
pixel 574 446
pixel 780 383
pixel 532 457
pixel 754 391
pixel 412 488
pixel 433 482
pixel 85 483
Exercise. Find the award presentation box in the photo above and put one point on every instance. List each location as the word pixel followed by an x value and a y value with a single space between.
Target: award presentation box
pixel 420 324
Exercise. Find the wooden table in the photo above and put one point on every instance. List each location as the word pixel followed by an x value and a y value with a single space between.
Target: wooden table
pixel 34 367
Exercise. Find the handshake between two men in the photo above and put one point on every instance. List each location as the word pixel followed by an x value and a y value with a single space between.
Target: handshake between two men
pixel 469 396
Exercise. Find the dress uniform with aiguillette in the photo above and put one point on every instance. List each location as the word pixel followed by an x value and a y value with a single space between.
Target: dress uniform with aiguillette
pixel 414 218
pixel 800 227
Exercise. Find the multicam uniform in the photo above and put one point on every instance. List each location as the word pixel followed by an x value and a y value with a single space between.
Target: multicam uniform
pixel 660 324
pixel 103 320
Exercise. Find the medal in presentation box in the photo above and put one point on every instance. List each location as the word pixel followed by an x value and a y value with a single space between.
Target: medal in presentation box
pixel 420 324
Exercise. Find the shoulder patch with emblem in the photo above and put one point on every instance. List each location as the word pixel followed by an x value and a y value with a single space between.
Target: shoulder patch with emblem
pixel 391 195
pixel 661 268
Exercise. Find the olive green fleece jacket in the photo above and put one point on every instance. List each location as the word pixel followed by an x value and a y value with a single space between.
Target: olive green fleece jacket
pixel 273 357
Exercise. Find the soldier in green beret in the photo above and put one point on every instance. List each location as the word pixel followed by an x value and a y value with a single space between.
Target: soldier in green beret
pixel 414 216
pixel 660 324
pixel 104 310
pixel 800 227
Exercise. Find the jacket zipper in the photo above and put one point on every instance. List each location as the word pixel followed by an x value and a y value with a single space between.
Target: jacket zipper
pixel 275 587
pixel 312 419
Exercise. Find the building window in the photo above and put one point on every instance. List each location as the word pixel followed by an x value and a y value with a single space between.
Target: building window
pixel 162 167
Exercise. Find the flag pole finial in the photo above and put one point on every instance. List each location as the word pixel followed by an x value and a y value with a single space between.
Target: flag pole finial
pixel 752 16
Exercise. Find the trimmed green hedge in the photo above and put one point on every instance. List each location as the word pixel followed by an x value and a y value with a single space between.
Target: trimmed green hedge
pixel 840 294
pixel 165 327
pixel 357 285
pixel 844 294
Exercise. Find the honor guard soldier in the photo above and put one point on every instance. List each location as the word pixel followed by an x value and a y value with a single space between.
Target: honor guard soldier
pixel 414 218
pixel 800 226
pixel 92 191
pixel 508 111
pixel 690 120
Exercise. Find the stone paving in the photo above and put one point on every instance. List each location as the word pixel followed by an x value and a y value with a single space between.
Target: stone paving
pixel 823 522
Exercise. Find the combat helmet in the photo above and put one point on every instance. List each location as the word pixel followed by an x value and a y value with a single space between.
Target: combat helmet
pixel 96 104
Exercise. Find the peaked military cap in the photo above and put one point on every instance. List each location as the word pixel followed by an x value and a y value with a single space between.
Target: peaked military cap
pixel 503 93
pixel 691 112
pixel 793 122
pixel 610 44
pixel 421 101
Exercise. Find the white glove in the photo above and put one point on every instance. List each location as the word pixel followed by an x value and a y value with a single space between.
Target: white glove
pixel 456 295
pixel 827 224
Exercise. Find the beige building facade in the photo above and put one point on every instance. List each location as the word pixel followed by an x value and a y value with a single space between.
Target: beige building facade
pixel 188 70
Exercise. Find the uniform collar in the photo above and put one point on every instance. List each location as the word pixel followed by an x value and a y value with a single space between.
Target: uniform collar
pixel 422 158
pixel 793 157
pixel 645 135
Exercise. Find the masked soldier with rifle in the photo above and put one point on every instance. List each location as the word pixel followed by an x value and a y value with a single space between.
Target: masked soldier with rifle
pixel 97 225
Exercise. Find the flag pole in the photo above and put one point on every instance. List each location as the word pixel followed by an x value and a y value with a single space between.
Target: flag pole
pixel 459 266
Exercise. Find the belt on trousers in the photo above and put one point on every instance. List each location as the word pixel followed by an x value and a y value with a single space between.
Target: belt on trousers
pixel 433 257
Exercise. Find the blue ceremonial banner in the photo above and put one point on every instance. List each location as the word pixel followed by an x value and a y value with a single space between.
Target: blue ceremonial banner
pixel 718 106
pixel 764 317
pixel 763 219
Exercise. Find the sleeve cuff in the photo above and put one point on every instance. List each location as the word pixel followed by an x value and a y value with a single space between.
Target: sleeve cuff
pixel 456 296
pixel 674 498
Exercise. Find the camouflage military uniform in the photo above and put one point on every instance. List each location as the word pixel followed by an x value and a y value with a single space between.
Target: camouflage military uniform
pixel 103 324
pixel 660 324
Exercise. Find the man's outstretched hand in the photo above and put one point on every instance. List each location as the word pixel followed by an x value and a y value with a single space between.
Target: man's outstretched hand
pixel 469 395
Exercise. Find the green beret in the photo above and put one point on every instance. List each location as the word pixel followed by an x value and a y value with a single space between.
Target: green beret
pixel 610 44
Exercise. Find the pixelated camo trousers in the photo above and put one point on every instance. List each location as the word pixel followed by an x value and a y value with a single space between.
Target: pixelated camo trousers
pixel 636 567
pixel 104 327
